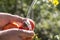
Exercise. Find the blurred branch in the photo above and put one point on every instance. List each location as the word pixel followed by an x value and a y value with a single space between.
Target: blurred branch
pixel 30 8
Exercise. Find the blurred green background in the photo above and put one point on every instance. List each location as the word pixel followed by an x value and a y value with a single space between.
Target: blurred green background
pixel 45 13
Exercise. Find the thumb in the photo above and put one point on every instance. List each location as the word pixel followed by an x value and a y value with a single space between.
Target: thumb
pixel 27 33
pixel 16 31
pixel 9 31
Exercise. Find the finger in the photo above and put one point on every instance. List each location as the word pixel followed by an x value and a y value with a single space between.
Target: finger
pixel 20 32
pixel 16 18
pixel 10 34
pixel 27 33
pixel 15 31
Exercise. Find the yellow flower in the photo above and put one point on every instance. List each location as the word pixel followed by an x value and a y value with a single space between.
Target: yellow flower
pixel 35 36
pixel 55 2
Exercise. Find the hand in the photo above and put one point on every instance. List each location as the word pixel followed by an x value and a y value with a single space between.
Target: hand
pixel 5 18
pixel 15 34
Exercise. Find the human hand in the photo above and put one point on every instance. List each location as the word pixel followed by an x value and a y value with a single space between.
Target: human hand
pixel 15 34
pixel 6 18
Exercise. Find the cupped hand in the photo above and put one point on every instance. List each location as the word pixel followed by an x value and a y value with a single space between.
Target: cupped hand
pixel 15 34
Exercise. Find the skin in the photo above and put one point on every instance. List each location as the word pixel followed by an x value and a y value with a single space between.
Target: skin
pixel 13 33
